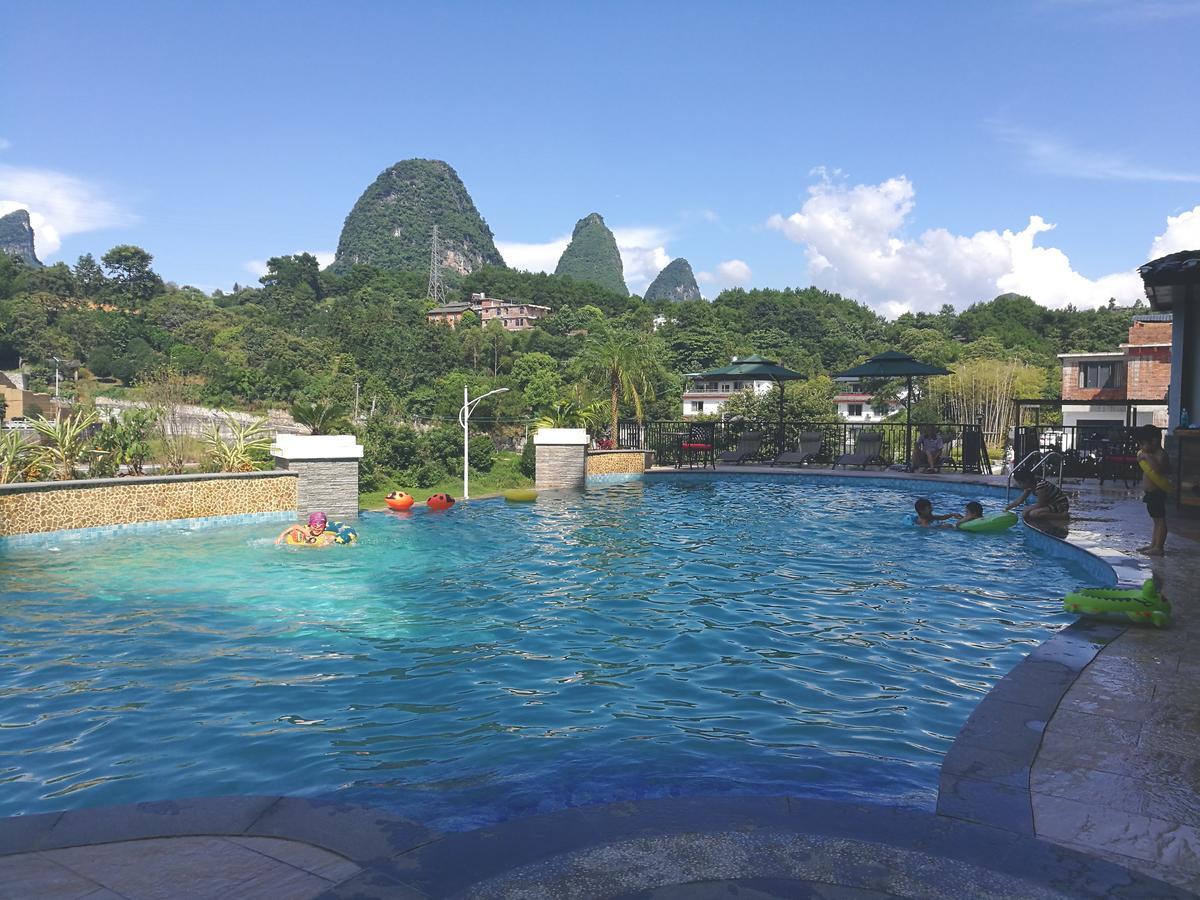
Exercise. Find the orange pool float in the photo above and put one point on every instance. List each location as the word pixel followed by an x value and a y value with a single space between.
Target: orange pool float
pixel 440 502
pixel 398 500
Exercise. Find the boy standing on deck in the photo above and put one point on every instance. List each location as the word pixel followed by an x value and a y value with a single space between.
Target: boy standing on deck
pixel 1155 469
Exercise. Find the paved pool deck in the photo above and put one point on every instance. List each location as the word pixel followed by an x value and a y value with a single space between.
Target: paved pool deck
pixel 1077 776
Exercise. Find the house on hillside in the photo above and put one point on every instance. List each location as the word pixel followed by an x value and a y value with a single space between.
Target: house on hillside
pixel 1135 377
pixel 22 403
pixel 512 314
pixel 705 397
pixel 854 406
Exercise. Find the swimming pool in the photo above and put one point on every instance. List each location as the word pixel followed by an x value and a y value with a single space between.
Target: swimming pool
pixel 682 636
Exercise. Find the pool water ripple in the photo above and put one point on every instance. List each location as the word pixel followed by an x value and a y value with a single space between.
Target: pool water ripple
pixel 642 640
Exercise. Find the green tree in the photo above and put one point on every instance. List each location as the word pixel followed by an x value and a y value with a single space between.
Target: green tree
pixel 89 276
pixel 626 364
pixel 128 268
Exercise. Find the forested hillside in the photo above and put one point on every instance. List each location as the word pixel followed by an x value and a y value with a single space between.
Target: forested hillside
pixel 391 224
pixel 306 334
pixel 675 282
pixel 592 255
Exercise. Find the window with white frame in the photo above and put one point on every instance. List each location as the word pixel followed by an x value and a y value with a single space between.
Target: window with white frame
pixel 697 406
pixel 854 409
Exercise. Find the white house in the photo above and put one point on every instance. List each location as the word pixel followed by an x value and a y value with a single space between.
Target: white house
pixel 706 396
pixel 853 406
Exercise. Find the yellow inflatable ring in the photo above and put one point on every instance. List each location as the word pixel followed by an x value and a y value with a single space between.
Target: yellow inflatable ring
pixel 1160 481
pixel 520 495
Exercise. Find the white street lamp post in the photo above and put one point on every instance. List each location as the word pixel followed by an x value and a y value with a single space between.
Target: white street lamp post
pixel 464 416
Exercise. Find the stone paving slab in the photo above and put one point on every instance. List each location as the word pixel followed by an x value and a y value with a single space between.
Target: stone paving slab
pixel 171 867
pixel 1118 770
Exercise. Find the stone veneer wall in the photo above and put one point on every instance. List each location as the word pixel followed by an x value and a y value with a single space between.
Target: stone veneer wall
pixel 326 485
pixel 616 462
pixel 42 506
pixel 560 466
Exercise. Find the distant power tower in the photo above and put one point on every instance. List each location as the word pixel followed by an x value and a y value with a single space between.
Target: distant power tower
pixel 437 287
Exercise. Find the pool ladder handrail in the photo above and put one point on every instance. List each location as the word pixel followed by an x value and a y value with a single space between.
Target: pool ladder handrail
pixel 1040 464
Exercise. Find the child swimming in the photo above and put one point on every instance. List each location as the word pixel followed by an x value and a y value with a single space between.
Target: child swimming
pixel 927 519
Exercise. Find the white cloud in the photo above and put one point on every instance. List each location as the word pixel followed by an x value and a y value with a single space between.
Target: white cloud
pixel 1183 233
pixel 731 273
pixel 852 239
pixel 709 215
pixel 258 267
pixel 1056 157
pixel 643 254
pixel 533 257
pixel 58 204
pixel 5 143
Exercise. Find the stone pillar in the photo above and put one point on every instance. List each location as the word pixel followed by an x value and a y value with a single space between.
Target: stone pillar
pixel 328 468
pixel 561 455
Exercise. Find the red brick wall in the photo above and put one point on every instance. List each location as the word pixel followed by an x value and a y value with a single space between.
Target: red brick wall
pixel 1150 333
pixel 1072 391
pixel 1148 372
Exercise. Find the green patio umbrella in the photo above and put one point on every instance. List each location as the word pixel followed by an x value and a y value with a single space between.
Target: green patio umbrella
pixel 756 368
pixel 894 364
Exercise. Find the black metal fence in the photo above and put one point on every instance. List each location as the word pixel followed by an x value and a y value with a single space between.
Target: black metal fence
pixel 965 446
pixel 1087 450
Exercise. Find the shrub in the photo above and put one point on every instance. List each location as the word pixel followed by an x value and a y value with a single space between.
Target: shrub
pixel 528 464
pixel 388 449
pixel 482 452
pixel 427 474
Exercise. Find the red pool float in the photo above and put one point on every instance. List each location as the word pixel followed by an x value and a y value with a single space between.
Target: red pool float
pixel 440 502
pixel 399 500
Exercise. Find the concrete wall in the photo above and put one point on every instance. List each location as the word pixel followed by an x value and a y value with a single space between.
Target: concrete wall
pixel 561 455
pixel 328 468
pixel 43 506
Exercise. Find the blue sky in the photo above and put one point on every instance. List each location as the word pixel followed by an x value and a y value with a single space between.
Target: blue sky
pixel 897 152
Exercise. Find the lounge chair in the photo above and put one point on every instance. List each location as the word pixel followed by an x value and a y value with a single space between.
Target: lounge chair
pixel 808 450
pixel 866 451
pixel 747 447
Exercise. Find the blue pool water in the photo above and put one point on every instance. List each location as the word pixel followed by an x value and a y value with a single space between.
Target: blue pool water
pixel 648 639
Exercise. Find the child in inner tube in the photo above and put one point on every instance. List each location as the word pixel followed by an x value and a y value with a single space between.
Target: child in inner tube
pixel 974 511
pixel 315 534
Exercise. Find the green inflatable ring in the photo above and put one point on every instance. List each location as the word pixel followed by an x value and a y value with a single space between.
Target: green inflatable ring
pixel 992 524
pixel 1145 606
pixel 521 495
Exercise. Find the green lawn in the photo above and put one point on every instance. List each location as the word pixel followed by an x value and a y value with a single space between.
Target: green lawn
pixel 504 476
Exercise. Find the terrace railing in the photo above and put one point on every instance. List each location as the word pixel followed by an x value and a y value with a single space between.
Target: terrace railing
pixel 1084 448
pixel 966 447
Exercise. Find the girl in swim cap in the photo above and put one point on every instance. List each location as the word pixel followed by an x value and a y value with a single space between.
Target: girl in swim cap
pixel 314 534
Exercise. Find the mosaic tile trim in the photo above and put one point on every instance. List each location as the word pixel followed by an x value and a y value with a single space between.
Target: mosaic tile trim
pixel 58 506
pixel 76 535
pixel 615 478
pixel 615 462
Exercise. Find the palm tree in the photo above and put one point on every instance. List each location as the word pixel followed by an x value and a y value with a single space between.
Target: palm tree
pixel 321 416
pixel 626 362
